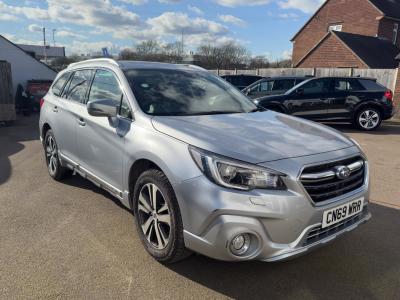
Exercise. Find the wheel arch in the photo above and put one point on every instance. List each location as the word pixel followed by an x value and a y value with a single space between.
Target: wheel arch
pixel 368 104
pixel 46 127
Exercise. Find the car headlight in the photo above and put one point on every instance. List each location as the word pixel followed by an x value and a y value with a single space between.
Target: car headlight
pixel 235 174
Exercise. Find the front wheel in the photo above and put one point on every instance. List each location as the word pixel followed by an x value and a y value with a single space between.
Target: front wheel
pixel 158 217
pixel 55 169
pixel 368 119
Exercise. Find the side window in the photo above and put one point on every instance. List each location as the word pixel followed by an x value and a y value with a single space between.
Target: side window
pixel 78 86
pixel 283 85
pixel 347 85
pixel 124 109
pixel 105 86
pixel 317 86
pixel 59 84
pixel 255 88
pixel 266 86
pixel 371 85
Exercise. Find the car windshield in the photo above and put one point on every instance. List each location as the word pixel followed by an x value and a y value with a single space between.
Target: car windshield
pixel 297 86
pixel 183 92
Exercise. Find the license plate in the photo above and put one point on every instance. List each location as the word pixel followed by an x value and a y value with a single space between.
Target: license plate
pixel 343 212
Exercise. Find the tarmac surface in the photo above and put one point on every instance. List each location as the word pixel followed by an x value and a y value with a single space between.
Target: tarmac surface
pixel 71 240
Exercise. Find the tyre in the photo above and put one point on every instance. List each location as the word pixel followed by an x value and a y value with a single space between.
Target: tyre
pixel 54 167
pixel 158 218
pixel 368 119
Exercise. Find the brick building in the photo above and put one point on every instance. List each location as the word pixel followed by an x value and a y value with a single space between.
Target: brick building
pixel 350 34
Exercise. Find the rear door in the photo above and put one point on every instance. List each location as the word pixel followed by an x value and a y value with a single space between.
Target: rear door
pixel 100 140
pixel 347 92
pixel 70 102
pixel 309 101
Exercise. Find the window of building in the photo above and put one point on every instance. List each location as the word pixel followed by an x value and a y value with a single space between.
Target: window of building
pixel 335 27
pixel 395 33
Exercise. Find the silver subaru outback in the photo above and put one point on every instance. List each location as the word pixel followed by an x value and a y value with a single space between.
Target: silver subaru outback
pixel 200 166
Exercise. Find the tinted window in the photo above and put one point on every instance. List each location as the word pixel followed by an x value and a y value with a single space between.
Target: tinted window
pixel 78 86
pixel 371 85
pixel 185 92
pixel 298 81
pixel 316 86
pixel 59 84
pixel 105 87
pixel 347 85
pixel 247 80
pixel 255 88
pixel 283 85
pixel 266 86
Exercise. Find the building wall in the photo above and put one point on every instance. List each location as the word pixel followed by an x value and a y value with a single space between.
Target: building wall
pixel 386 27
pixel 356 16
pixel 332 53
pixel 23 66
pixel 396 94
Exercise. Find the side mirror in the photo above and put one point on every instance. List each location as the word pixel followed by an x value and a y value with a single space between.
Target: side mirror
pixel 102 108
pixel 300 91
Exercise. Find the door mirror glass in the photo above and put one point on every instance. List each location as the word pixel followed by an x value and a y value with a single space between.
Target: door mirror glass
pixel 102 108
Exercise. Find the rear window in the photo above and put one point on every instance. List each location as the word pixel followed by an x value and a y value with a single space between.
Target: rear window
pixel 371 85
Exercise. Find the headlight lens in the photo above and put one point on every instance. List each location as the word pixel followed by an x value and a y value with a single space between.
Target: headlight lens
pixel 237 175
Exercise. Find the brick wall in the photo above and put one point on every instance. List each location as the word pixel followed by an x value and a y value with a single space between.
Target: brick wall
pixel 386 27
pixel 356 16
pixel 332 53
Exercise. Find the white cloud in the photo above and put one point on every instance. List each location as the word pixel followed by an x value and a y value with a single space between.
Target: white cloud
pixel 34 13
pixel 232 19
pixel 35 28
pixel 195 9
pixel 17 40
pixel 291 16
pixel 306 6
pixel 134 2
pixel 235 3
pixel 69 34
pixel 287 54
pixel 169 1
pixel 7 17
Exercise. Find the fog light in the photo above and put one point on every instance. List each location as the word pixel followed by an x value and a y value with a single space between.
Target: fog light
pixel 240 244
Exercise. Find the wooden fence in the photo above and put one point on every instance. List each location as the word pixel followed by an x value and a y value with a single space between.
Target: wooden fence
pixel 7 104
pixel 387 77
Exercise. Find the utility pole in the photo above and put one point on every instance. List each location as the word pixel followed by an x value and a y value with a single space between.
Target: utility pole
pixel 54 40
pixel 44 44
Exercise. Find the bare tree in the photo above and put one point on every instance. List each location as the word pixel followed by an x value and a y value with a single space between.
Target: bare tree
pixel 259 62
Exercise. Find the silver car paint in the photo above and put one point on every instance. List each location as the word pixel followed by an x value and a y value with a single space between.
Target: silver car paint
pixel 105 151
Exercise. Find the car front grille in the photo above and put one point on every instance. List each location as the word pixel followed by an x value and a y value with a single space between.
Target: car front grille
pixel 320 233
pixel 322 182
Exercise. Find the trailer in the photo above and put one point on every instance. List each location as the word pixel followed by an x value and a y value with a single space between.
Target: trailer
pixel 7 101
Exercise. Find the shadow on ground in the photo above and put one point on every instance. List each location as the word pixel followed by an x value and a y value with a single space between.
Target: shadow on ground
pixel 364 264
pixel 11 139
pixel 389 128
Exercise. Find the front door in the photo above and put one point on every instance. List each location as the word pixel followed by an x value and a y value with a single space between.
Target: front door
pixel 311 100
pixel 100 140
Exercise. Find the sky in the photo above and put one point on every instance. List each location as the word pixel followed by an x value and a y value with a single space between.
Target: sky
pixel 265 27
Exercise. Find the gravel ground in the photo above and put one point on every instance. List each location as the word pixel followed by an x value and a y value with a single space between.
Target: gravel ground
pixel 72 240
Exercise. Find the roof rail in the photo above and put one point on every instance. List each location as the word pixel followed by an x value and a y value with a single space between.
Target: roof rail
pixel 106 60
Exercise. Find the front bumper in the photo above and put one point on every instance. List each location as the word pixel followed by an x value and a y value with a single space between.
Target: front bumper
pixel 279 223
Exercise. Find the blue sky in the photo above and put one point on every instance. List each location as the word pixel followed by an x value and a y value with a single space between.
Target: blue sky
pixel 263 26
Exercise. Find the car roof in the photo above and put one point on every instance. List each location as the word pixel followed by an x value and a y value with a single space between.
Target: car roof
pixel 126 65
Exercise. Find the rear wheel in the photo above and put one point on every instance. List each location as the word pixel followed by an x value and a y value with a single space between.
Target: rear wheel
pixel 55 169
pixel 158 217
pixel 368 119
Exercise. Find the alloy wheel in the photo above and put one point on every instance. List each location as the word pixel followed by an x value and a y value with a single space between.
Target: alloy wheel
pixel 51 155
pixel 154 216
pixel 369 119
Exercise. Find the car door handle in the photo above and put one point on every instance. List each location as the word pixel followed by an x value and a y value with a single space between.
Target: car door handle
pixel 55 109
pixel 81 122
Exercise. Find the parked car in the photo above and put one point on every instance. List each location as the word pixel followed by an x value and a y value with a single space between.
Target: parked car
pixel 241 81
pixel 199 165
pixel 361 101
pixel 272 86
pixel 36 89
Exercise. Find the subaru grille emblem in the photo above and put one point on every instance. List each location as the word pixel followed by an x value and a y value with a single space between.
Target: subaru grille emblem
pixel 343 172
